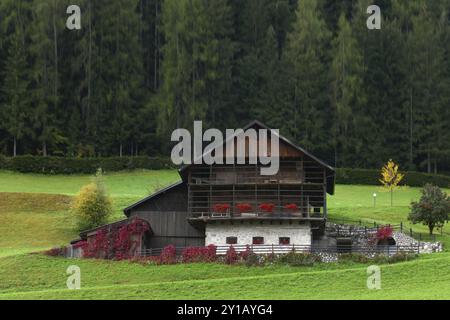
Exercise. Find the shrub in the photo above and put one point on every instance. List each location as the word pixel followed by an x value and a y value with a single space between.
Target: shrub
pixel 63 165
pixel 402 256
pixel 353 257
pixel 56 252
pixel 384 233
pixel 199 254
pixel 92 206
pixel 168 255
pixel 231 257
pixel 433 208
pixel 298 259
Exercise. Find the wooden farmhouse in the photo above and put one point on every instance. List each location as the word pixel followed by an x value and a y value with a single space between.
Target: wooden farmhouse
pixel 236 205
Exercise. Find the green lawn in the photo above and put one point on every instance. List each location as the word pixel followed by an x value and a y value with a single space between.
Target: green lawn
pixel 123 184
pixel 39 277
pixel 35 215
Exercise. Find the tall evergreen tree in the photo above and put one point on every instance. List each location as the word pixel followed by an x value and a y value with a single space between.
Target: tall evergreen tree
pixel 307 54
pixel 347 94
pixel 16 102
pixel 46 28
pixel 429 83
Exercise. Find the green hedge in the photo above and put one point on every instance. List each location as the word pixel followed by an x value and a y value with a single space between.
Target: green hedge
pixel 61 165
pixel 371 177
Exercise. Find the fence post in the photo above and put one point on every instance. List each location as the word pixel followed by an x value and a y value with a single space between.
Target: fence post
pixel 401 226
pixel 410 232
pixel 272 249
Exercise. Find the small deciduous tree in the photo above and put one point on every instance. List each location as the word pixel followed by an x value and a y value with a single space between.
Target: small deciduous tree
pixel 390 177
pixel 432 210
pixel 92 206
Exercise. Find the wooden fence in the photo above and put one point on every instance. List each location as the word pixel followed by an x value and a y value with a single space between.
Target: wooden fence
pixel 283 249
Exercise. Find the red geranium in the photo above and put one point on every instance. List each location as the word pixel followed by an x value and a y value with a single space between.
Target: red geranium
pixel 221 207
pixel 267 207
pixel 291 206
pixel 244 207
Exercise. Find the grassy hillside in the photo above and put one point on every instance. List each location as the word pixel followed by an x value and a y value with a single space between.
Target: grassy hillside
pixel 120 184
pixel 35 215
pixel 40 277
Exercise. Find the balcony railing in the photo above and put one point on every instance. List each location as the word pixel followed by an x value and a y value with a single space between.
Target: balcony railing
pixel 277 213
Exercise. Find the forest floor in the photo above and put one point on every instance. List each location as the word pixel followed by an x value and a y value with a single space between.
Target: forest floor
pixel 35 215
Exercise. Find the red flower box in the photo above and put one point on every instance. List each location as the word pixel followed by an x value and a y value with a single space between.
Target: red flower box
pixel 267 207
pixel 221 207
pixel 291 206
pixel 244 207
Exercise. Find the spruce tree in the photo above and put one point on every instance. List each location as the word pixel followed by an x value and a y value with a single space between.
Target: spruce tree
pixel 307 56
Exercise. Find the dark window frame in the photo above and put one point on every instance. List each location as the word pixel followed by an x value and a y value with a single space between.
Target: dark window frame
pixel 281 242
pixel 258 240
pixel 231 240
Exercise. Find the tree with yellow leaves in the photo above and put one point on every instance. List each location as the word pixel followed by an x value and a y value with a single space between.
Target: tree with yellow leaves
pixel 390 177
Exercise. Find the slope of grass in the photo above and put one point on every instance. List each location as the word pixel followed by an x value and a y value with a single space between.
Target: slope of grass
pixel 35 215
pixel 38 277
pixel 122 184
pixel 35 209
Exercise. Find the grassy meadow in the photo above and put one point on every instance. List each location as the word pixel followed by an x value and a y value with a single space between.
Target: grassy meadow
pixel 35 215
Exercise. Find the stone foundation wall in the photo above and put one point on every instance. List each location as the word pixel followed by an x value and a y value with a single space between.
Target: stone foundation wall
pixel 217 233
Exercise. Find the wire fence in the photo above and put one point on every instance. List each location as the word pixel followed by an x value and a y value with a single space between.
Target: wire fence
pixel 372 226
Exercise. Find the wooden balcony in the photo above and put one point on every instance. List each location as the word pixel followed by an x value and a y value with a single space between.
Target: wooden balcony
pixel 302 214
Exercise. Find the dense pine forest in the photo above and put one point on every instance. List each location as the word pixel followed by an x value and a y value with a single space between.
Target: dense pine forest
pixel 137 69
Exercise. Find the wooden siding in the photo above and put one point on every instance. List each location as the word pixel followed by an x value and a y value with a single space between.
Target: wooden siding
pixel 170 227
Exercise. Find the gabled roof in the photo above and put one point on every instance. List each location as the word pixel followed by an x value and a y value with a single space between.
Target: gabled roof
pixel 153 195
pixel 255 123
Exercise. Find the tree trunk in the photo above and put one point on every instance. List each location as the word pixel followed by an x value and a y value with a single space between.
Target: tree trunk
pixel 428 162
pixel 120 150
pixel 435 167
pixel 44 149
pixel 55 47
pixel 15 147
pixel 431 228
pixel 392 197
pixel 411 121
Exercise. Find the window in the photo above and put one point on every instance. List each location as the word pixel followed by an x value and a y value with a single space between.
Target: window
pixel 258 240
pixel 231 240
pixel 285 240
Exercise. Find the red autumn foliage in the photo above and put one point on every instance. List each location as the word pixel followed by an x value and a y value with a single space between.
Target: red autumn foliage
pixel 267 207
pixel 168 255
pixel 119 243
pixel 244 207
pixel 231 256
pixel 221 207
pixel 291 206
pixel 200 254
pixel 244 254
pixel 128 238
pixel 384 232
